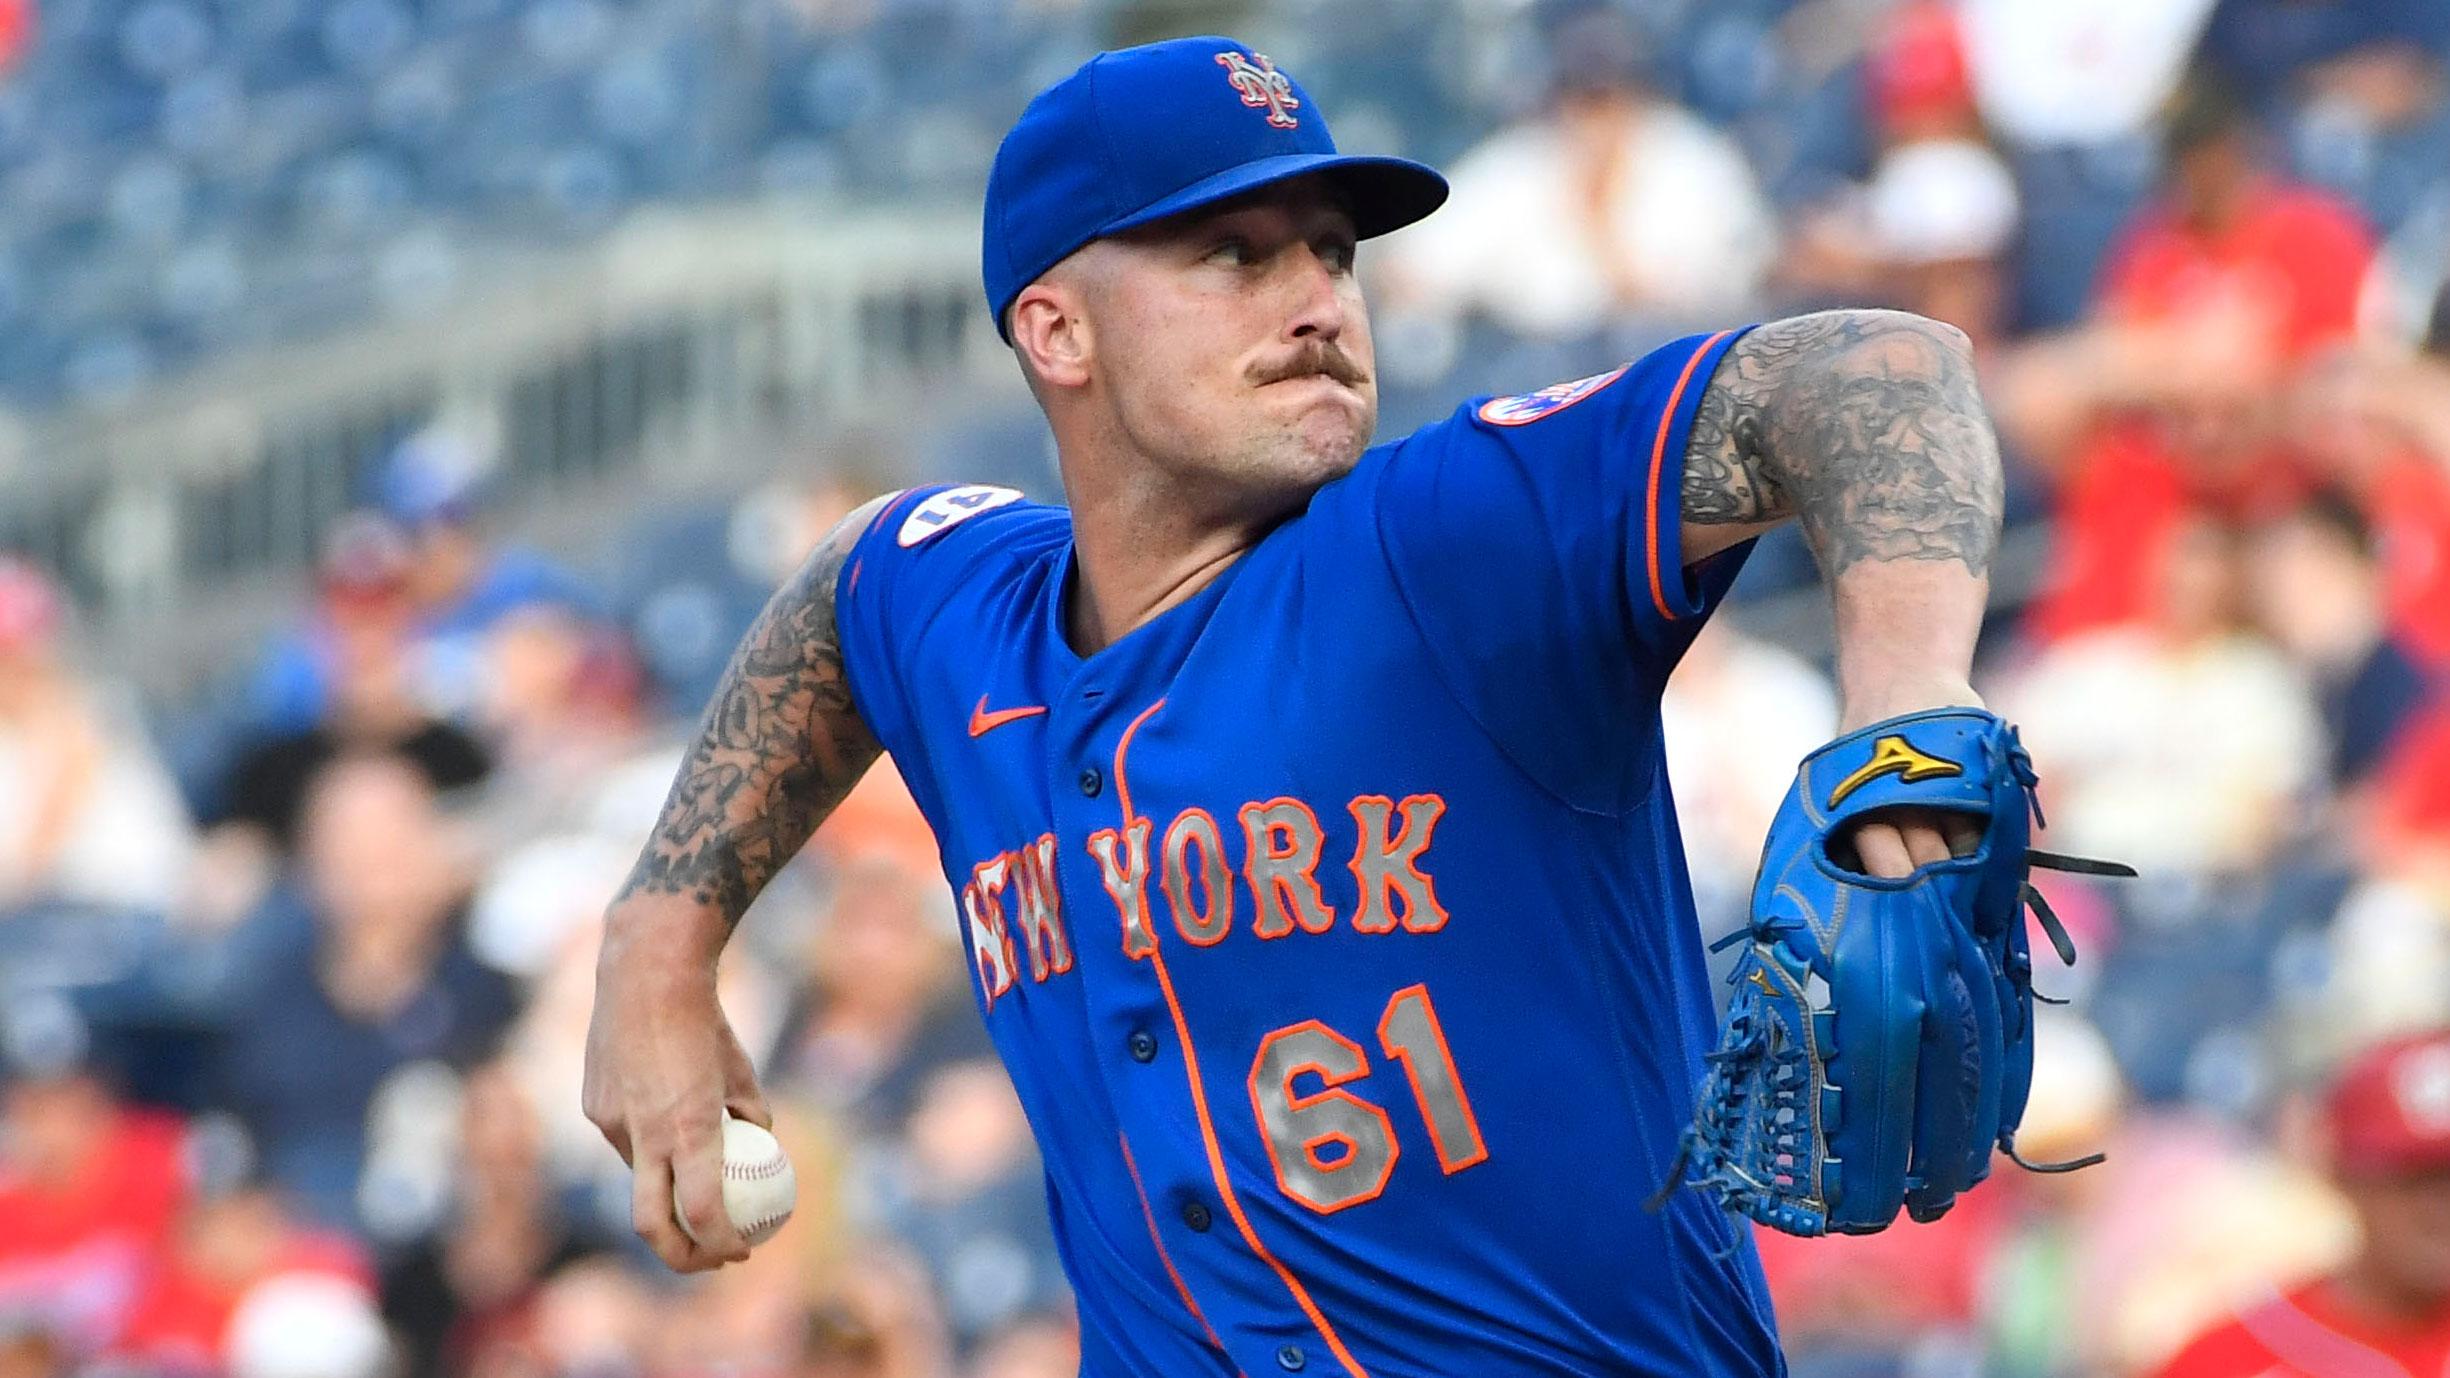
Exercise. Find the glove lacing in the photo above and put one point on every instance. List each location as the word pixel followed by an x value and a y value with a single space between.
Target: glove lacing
pixel 2020 966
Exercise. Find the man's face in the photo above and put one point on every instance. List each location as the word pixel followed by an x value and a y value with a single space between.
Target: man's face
pixel 375 850
pixel 2206 175
pixel 1232 346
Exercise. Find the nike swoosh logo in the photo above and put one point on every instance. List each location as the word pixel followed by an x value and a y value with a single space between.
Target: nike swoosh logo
pixel 983 722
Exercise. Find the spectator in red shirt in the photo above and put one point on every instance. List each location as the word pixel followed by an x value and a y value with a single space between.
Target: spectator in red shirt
pixel 226 1245
pixel 2387 1311
pixel 89 1187
pixel 2375 424
pixel 2213 301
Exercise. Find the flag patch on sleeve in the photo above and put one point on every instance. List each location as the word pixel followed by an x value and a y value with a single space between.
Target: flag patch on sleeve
pixel 1524 408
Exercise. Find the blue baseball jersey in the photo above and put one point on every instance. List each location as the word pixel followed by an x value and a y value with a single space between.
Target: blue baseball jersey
pixel 1333 924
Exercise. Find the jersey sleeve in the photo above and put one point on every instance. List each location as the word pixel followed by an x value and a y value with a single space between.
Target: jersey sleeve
pixel 1534 540
pixel 901 568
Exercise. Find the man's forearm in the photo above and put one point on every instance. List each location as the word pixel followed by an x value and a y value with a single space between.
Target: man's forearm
pixel 780 745
pixel 1866 427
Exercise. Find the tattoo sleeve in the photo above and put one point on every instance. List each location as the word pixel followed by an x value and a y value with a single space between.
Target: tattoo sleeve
pixel 1864 425
pixel 779 747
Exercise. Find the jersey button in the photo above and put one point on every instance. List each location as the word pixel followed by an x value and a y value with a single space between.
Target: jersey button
pixel 1196 1216
pixel 1143 1046
pixel 1290 1358
pixel 1091 782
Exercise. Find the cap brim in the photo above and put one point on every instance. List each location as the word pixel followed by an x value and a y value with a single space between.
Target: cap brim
pixel 1383 194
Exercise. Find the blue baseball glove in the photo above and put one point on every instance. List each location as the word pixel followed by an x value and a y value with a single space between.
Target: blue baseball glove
pixel 1880 1038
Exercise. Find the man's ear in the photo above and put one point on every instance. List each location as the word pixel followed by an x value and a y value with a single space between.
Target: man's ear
pixel 1050 334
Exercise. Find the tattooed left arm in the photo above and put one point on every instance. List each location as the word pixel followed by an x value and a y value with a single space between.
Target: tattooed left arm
pixel 1867 428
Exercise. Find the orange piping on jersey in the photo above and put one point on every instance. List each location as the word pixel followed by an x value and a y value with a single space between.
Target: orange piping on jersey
pixel 1150 1215
pixel 1658 461
pixel 1122 787
pixel 886 512
pixel 1199 1097
pixel 874 522
pixel 1225 1190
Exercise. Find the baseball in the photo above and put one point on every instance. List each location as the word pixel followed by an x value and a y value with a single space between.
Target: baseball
pixel 759 1187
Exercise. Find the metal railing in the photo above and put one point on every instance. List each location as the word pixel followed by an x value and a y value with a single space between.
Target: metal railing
pixel 642 359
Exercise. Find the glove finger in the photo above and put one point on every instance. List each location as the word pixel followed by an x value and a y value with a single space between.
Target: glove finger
pixel 1875 991
pixel 1945 1092
pixel 1989 994
pixel 1956 1096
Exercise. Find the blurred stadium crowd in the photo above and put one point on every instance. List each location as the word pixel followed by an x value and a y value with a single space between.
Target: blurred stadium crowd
pixel 294 980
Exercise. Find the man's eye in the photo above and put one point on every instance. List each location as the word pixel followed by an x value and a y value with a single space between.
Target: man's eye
pixel 1232 251
pixel 1337 254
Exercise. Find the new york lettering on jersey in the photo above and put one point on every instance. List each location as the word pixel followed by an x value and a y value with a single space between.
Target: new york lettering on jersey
pixel 1332 924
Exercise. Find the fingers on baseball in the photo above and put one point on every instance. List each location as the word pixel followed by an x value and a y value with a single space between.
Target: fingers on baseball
pixel 652 1218
pixel 697 1199
pixel 742 1095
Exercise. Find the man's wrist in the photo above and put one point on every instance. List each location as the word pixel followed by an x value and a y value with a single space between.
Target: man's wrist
pixel 667 935
pixel 1871 703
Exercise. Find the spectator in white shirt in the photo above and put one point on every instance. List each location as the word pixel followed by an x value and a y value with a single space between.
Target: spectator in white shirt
pixel 1612 202
pixel 89 815
pixel 1739 716
pixel 2182 744
pixel 1929 229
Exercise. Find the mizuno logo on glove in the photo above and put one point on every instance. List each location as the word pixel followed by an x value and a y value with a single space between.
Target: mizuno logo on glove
pixel 1894 756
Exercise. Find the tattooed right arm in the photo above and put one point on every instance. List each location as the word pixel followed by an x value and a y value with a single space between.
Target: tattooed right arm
pixel 780 745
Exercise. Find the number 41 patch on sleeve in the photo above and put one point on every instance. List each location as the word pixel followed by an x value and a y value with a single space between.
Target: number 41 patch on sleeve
pixel 943 510
pixel 1524 408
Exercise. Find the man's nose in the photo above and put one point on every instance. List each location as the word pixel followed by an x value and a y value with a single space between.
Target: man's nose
pixel 1318 305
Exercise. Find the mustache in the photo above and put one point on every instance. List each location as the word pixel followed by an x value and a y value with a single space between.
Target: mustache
pixel 1318 356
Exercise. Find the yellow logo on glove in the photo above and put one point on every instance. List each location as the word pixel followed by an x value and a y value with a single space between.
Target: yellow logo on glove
pixel 1894 756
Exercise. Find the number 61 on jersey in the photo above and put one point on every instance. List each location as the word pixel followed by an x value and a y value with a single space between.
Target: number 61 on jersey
pixel 1300 1128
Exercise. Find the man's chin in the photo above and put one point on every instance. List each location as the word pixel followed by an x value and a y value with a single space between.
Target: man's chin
pixel 1298 470
pixel 1327 462
pixel 1333 436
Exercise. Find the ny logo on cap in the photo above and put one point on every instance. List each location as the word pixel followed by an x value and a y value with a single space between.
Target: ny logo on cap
pixel 1262 87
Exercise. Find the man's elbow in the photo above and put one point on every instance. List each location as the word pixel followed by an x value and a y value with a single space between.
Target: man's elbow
pixel 1884 326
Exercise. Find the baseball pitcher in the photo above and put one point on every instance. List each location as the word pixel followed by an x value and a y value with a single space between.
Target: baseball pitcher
pixel 1305 804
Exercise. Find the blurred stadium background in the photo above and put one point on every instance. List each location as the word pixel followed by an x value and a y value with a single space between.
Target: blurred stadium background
pixel 405 403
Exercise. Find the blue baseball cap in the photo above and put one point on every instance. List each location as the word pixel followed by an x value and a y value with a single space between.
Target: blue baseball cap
pixel 1143 133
